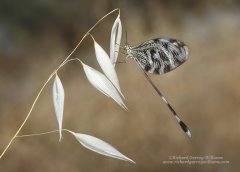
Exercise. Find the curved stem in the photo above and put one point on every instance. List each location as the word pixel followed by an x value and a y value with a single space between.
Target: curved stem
pixel 37 134
pixel 30 111
pixel 86 34
pixel 50 77
pixel 73 59
pixel 43 133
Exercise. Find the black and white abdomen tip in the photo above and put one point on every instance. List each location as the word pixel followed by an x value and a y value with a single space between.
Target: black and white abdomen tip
pixel 180 122
pixel 185 129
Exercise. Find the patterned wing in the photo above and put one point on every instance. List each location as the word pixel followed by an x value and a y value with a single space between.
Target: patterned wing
pixel 160 55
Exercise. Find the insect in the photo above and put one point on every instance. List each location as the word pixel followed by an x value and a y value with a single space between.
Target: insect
pixel 159 56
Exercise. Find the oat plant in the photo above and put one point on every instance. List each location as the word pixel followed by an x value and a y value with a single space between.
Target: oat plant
pixel 156 56
pixel 106 82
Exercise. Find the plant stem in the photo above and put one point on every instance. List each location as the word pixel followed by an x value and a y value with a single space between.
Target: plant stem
pixel 38 134
pixel 30 111
pixel 43 133
pixel 50 77
pixel 87 33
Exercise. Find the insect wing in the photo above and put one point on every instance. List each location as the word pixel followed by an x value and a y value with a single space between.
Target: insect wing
pixel 160 55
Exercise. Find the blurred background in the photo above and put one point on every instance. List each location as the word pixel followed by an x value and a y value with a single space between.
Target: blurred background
pixel 37 35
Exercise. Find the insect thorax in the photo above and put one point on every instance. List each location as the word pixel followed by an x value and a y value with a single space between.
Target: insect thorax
pixel 159 55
